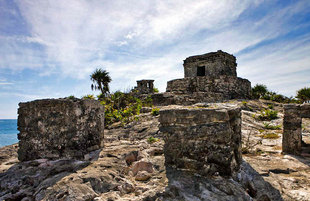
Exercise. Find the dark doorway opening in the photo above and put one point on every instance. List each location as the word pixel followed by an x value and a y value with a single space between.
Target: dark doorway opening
pixel 305 137
pixel 201 71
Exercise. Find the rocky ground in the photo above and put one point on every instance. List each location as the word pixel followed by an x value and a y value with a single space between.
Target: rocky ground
pixel 131 167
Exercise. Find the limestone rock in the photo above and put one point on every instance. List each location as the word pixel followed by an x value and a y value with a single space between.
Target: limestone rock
pixel 59 128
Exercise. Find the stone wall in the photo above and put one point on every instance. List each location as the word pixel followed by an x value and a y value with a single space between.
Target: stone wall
pixel 59 128
pixel 292 131
pixel 214 63
pixel 229 86
pixel 203 140
pixel 145 86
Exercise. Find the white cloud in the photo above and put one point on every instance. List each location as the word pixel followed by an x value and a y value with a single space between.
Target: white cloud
pixel 144 39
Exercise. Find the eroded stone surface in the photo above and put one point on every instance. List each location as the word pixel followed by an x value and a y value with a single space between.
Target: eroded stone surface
pixel 210 77
pixel 204 140
pixel 292 131
pixel 59 128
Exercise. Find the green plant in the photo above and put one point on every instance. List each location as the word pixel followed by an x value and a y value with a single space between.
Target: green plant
pixel 303 94
pixel 272 127
pixel 101 80
pixel 155 90
pixel 270 136
pixel 259 90
pixel 267 114
pixel 89 96
pixel 71 97
pixel 155 111
pixel 152 140
pixel 270 106
pixel 244 103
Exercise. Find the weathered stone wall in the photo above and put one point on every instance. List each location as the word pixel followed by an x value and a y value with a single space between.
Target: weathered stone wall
pixel 292 131
pixel 229 86
pixel 215 64
pixel 203 140
pixel 59 128
pixel 145 86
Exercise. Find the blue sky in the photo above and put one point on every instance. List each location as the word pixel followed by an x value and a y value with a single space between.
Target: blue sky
pixel 49 48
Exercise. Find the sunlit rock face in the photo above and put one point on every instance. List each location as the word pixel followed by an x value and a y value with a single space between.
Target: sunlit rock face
pixel 59 128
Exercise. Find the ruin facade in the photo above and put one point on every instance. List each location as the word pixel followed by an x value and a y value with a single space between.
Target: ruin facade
pixel 210 77
pixel 203 140
pixel 292 131
pixel 145 86
pixel 59 128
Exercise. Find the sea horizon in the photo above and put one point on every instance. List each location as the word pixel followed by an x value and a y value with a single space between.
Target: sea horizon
pixel 8 132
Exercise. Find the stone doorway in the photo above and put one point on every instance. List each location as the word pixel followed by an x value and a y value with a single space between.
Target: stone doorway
pixel 294 141
pixel 305 136
pixel 201 71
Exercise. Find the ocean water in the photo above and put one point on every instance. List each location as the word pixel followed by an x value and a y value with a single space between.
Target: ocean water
pixel 8 132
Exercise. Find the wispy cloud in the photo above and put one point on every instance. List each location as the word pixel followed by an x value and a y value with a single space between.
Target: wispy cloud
pixel 67 40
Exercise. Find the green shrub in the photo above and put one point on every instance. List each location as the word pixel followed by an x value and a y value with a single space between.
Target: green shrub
pixel 155 90
pixel 303 94
pixel 259 90
pixel 152 140
pixel 270 106
pixel 155 111
pixel 272 127
pixel 268 115
pixel 89 96
pixel 71 97
pixel 123 107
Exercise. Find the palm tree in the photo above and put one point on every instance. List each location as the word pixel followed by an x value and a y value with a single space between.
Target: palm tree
pixel 101 80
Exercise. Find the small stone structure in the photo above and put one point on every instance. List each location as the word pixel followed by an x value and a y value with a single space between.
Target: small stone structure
pixel 59 128
pixel 292 131
pixel 145 86
pixel 203 140
pixel 210 77
pixel 210 64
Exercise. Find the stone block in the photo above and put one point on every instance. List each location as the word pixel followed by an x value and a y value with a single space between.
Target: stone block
pixel 203 140
pixel 59 128
pixel 291 142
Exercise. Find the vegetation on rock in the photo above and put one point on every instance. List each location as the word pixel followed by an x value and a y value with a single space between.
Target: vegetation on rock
pixel 303 94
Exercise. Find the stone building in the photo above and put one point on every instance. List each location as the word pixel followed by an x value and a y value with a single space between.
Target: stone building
pixel 59 128
pixel 210 64
pixel 210 77
pixel 145 86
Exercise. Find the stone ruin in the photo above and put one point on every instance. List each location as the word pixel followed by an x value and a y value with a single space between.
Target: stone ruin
pixel 145 86
pixel 59 128
pixel 203 140
pixel 292 131
pixel 210 77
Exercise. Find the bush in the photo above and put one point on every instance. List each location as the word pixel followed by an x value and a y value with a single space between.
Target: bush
pixel 268 114
pixel 123 107
pixel 272 127
pixel 152 140
pixel 303 94
pixel 155 90
pixel 155 111
pixel 259 90
pixel 89 96
pixel 71 97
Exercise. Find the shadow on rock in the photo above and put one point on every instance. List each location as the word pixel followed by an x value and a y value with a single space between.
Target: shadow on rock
pixel 246 184
pixel 29 180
